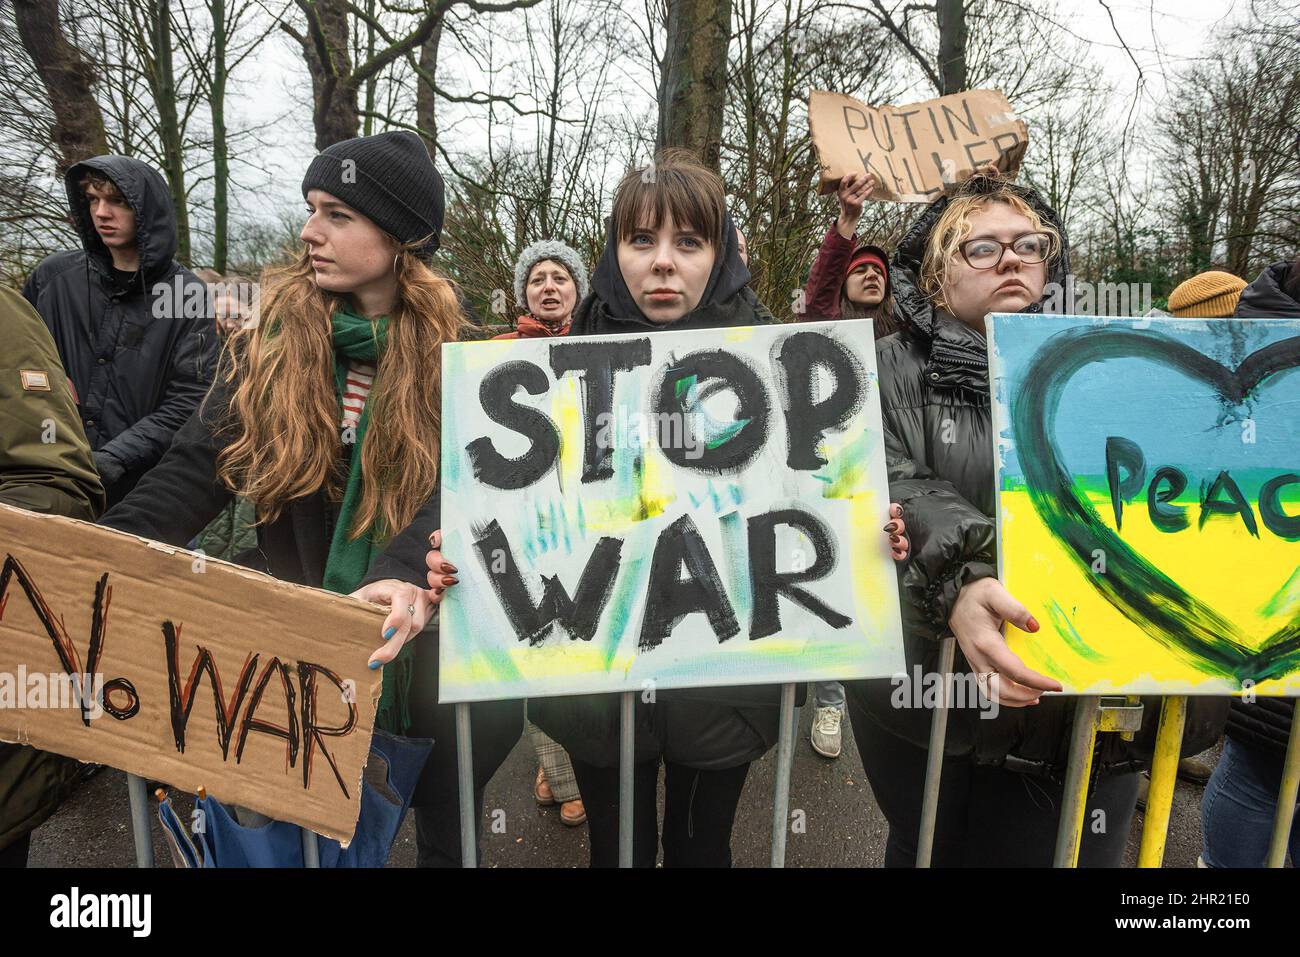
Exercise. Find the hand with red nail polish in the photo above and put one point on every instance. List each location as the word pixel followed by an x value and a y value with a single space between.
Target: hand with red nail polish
pixel 896 529
pixel 976 620
pixel 441 572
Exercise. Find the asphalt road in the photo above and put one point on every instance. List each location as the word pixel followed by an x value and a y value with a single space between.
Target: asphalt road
pixel 843 825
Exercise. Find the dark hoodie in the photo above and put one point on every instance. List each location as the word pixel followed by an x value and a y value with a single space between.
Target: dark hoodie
pixel 707 728
pixel 934 381
pixel 139 349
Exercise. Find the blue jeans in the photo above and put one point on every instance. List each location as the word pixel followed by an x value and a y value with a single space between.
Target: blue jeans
pixel 1238 808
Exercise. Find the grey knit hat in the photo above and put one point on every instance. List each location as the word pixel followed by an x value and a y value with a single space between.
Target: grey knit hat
pixel 566 256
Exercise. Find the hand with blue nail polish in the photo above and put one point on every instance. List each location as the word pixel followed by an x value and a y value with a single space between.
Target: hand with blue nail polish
pixel 409 610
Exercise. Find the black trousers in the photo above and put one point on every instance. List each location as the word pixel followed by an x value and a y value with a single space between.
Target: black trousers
pixel 496 727
pixel 699 810
pixel 987 816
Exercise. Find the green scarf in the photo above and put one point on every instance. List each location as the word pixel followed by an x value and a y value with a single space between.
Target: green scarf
pixel 356 337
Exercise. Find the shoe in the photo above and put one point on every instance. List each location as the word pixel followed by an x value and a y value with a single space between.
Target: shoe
pixel 826 731
pixel 1195 771
pixel 573 813
pixel 542 789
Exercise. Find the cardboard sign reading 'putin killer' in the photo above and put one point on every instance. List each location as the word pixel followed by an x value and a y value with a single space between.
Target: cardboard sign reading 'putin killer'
pixel 186 670
pixel 679 509
pixel 918 151
pixel 1149 500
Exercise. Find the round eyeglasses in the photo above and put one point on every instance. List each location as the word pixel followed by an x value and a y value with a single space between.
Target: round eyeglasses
pixel 1031 248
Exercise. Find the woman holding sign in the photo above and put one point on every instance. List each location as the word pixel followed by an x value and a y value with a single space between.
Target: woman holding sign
pixel 671 262
pixel 849 279
pixel 992 247
pixel 325 414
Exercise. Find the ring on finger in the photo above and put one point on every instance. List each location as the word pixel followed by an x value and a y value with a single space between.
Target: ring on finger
pixel 410 610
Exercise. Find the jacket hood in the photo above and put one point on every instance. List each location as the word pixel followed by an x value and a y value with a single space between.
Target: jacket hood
pixel 1266 298
pixel 910 304
pixel 147 193
pixel 611 297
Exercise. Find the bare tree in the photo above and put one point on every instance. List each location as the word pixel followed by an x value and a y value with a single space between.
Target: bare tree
pixel 69 81
pixel 336 78
pixel 1229 141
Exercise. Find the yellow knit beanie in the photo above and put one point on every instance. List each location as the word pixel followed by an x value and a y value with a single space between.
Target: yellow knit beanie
pixel 1208 295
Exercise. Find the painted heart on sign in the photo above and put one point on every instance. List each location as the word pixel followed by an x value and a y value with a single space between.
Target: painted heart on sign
pixel 1141 592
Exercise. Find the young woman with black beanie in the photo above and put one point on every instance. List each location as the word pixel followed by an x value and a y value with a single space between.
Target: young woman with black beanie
pixel 325 414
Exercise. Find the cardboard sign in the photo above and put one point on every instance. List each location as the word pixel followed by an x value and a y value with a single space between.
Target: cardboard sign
pixel 916 151
pixel 195 672
pixel 676 509
pixel 1149 500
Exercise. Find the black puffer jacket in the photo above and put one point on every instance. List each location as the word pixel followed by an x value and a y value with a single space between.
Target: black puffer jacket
pixel 140 357
pixel 707 728
pixel 1266 724
pixel 1267 297
pixel 934 382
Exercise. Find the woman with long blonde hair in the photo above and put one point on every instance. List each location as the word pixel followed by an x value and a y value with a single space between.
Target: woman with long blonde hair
pixel 325 415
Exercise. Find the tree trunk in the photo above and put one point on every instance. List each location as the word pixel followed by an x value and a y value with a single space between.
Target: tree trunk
pixel 170 129
pixel 693 92
pixel 368 124
pixel 334 89
pixel 68 79
pixel 220 146
pixel 426 96
pixel 952 46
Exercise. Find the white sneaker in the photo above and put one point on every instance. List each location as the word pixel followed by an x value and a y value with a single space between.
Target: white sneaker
pixel 826 731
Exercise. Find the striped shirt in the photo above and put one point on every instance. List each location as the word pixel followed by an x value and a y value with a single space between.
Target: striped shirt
pixel 361 376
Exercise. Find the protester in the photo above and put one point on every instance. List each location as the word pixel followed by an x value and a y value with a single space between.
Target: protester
pixel 45 466
pixel 1207 295
pixel 131 324
pixel 991 247
pixel 671 261
pixel 550 279
pixel 325 415
pixel 850 279
pixel 742 247
pixel 1240 801
pixel 231 297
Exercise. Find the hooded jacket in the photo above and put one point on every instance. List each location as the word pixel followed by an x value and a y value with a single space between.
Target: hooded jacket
pixel 56 477
pixel 140 357
pixel 706 728
pixel 934 381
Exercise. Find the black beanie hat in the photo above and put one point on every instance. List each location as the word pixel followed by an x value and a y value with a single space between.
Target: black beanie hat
pixel 388 178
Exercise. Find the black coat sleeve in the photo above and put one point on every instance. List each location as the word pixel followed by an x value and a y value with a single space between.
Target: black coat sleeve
pixel 179 496
pixel 951 542
pixel 403 559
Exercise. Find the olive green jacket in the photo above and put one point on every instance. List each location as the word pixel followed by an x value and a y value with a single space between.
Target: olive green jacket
pixel 45 466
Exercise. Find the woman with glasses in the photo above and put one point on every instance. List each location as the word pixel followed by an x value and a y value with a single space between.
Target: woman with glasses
pixel 992 247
